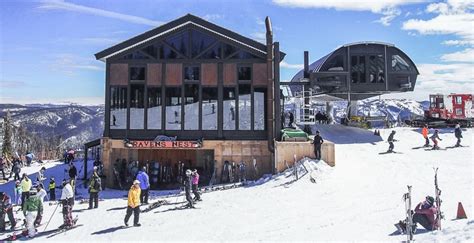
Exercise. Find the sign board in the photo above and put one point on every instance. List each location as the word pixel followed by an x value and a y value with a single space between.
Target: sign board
pixel 165 144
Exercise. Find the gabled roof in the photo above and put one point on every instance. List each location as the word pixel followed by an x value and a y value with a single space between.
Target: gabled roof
pixel 186 20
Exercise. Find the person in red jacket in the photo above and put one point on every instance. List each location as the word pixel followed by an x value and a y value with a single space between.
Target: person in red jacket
pixel 425 215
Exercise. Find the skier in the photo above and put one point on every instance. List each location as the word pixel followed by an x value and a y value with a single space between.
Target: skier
pixel 425 132
pixel 25 188
pixel 16 169
pixel 458 135
pixel 67 200
pixel 195 184
pixel 29 158
pixel 434 138
pixel 6 207
pixel 144 180
pixel 41 193
pixel 72 176
pixel 52 189
pixel 18 192
pixel 187 188
pixel 425 213
pixel 94 188
pixel 31 209
pixel 41 176
pixel 133 204
pixel 317 142
pixel 390 141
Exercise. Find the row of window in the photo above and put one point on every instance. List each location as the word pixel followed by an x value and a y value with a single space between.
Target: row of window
pixel 191 73
pixel 237 106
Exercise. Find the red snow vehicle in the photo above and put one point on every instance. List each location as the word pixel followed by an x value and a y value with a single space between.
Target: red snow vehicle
pixel 439 114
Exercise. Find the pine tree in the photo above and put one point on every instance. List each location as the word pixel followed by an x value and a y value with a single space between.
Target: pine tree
pixel 7 136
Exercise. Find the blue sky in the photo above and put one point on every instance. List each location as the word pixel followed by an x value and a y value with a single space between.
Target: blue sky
pixel 47 46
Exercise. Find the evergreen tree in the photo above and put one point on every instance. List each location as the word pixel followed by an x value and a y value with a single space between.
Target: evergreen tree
pixel 7 136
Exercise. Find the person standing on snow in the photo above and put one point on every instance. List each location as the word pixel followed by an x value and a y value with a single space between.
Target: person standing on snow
pixel 458 135
pixel 133 204
pixel 41 194
pixel 16 169
pixel 67 200
pixel 195 184
pixel 6 207
pixel 31 209
pixel 94 188
pixel 425 133
pixel 317 142
pixel 390 141
pixel 25 188
pixel 435 138
pixel 187 188
pixel 144 180
pixel 425 214
pixel 41 176
pixel 52 189
pixel 72 176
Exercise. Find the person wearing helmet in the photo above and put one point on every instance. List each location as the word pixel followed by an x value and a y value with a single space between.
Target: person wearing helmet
pixel 31 209
pixel 425 213
pixel 187 188
pixel 390 141
pixel 67 200
pixel 142 176
pixel 435 138
pixel 458 135
pixel 133 204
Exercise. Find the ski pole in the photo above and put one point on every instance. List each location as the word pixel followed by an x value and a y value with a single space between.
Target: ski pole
pixel 50 217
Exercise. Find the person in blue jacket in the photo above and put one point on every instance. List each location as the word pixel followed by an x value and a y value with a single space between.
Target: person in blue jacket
pixel 144 180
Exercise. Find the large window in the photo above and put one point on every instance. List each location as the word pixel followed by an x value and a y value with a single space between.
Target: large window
pixel 245 107
pixel 191 73
pixel 399 63
pixel 209 108
pixel 458 100
pixel 229 109
pixel 173 108
pixel 191 107
pixel 137 107
pixel 137 73
pixel 358 69
pixel 335 63
pixel 259 97
pixel 118 107
pixel 245 73
pixel 376 67
pixel 154 108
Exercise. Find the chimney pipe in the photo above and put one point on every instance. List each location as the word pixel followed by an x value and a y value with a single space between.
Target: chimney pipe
pixel 306 65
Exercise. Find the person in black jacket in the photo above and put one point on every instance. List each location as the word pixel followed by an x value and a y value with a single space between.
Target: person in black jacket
pixel 390 141
pixel 292 119
pixel 187 188
pixel 6 207
pixel 317 142
pixel 72 176
pixel 458 135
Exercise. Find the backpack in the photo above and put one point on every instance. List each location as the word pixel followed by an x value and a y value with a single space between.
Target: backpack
pixel 97 184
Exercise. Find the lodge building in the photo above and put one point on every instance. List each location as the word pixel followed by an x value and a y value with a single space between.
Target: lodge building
pixel 190 91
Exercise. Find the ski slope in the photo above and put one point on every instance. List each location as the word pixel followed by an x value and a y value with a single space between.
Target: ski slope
pixel 358 200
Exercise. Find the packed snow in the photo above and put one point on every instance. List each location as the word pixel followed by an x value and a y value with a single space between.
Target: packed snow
pixel 357 200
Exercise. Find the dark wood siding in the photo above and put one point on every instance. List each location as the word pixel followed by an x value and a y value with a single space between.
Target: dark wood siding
pixel 118 74
pixel 154 74
pixel 259 74
pixel 209 74
pixel 174 74
pixel 230 74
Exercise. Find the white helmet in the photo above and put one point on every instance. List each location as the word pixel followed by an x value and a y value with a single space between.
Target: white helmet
pixel 188 172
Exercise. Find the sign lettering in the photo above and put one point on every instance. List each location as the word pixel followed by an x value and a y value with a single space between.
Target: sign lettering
pixel 165 144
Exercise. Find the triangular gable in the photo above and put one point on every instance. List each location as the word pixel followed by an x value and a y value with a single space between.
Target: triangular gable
pixel 173 27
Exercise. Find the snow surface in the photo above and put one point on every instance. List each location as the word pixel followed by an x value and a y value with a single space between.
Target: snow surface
pixel 358 200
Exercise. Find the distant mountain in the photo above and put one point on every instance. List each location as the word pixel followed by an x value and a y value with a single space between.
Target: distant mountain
pixel 75 124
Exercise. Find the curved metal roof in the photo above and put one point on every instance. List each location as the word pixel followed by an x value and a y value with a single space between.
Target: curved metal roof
pixel 316 66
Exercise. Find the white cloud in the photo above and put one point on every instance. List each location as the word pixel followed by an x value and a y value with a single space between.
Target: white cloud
pixel 440 78
pixel 458 42
pixel 259 36
pixel 212 17
pixel 63 5
pixel 69 64
pixel 466 55
pixel 284 64
pixel 101 41
pixel 387 8
pixel 45 100
pixel 12 84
